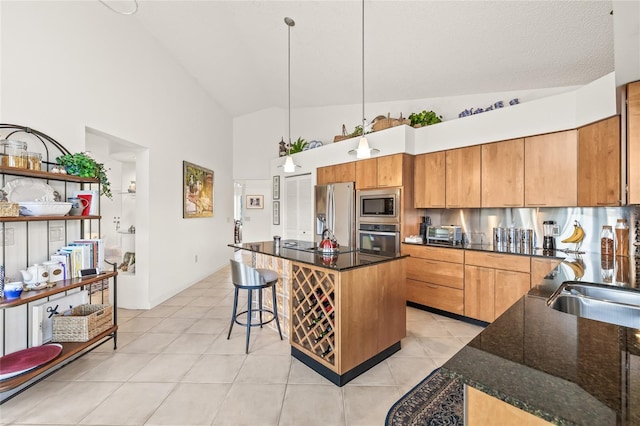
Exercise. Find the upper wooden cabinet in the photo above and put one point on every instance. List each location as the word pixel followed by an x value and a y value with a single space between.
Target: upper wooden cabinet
pixel 345 172
pixel 429 180
pixel 462 172
pixel 599 163
pixel 503 174
pixel 390 170
pixel 551 170
pixel 633 142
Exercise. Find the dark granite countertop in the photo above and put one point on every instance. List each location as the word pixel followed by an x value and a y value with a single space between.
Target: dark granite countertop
pixel 305 252
pixel 561 367
pixel 490 248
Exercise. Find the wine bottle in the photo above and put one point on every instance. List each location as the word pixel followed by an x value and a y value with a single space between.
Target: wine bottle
pixel 326 352
pixel 323 333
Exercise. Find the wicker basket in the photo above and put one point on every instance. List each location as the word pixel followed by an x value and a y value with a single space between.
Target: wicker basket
pixel 9 209
pixel 343 136
pixel 381 122
pixel 83 323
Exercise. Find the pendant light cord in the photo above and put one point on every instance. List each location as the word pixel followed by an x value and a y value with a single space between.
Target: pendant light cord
pixel 363 116
pixel 135 8
pixel 289 80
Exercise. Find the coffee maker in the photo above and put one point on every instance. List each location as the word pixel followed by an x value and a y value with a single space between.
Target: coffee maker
pixel 426 222
pixel 549 230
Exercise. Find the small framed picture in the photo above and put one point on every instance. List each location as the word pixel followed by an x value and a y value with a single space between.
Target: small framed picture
pixel 276 187
pixel 255 201
pixel 276 212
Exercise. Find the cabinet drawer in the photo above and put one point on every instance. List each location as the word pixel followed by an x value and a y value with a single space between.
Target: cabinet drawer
pixel 434 253
pixel 498 261
pixel 436 272
pixel 436 296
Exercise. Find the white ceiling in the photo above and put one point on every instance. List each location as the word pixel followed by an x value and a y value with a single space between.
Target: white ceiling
pixel 237 50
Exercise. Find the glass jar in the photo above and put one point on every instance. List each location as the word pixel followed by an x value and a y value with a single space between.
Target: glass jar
pixel 34 161
pixel 13 153
pixel 622 238
pixel 606 241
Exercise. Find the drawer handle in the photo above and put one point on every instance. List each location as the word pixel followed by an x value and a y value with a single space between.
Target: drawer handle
pixel 433 286
pixel 535 204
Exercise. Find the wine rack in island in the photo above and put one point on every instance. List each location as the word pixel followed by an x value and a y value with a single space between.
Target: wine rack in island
pixel 345 321
pixel 313 320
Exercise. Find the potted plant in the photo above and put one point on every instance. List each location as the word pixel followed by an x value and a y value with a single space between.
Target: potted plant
pixel 297 146
pixel 82 165
pixel 424 118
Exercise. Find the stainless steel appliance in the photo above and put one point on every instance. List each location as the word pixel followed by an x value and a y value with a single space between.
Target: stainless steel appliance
pixel 379 205
pixel 379 238
pixel 335 211
pixel 446 234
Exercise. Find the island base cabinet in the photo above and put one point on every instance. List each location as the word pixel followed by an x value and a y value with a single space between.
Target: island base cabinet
pixel 482 409
pixel 436 296
pixel 344 322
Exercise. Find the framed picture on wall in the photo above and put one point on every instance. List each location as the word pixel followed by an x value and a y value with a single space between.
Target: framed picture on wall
pixel 276 187
pixel 197 184
pixel 255 202
pixel 276 212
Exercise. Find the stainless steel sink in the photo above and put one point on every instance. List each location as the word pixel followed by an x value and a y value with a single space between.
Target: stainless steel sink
pixel 614 305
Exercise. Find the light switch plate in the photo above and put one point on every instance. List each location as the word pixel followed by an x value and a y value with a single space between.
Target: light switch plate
pixel 56 233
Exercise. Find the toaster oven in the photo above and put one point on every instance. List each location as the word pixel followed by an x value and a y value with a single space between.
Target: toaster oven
pixel 444 234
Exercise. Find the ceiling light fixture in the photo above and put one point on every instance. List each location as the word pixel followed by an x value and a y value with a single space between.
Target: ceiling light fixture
pixel 363 150
pixel 289 165
pixel 135 8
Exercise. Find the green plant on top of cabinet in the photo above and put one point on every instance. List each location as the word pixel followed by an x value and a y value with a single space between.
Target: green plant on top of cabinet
pixel 551 170
pixel 599 163
pixel 429 180
pixel 503 174
pixel 463 177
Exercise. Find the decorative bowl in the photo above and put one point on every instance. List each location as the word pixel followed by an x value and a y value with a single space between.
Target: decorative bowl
pixel 44 208
pixel 12 290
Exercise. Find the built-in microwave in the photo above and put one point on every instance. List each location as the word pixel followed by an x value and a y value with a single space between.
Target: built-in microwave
pixel 379 205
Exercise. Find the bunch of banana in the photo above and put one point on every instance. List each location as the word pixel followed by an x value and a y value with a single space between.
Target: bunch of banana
pixel 577 266
pixel 577 235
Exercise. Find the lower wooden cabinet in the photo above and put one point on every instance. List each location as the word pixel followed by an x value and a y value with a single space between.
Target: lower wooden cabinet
pixel 435 277
pixel 482 409
pixel 493 282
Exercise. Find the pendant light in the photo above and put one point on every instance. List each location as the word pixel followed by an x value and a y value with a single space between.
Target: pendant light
pixel 363 150
pixel 289 166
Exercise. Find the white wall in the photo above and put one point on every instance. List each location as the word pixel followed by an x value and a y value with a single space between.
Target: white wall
pixel 69 65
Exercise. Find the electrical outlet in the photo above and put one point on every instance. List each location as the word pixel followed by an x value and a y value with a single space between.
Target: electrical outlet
pixel 7 236
pixel 196 258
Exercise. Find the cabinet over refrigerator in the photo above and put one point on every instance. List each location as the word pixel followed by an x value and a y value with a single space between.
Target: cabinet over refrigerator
pixel 334 210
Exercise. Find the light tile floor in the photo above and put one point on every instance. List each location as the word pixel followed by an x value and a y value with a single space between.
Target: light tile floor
pixel 174 366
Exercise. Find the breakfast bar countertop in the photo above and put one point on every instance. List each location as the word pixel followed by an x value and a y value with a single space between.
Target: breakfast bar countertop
pixel 561 367
pixel 306 252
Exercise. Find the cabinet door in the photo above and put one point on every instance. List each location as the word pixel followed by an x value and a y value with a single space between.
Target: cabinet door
pixel 503 174
pixel 325 175
pixel 345 172
pixel 551 170
pixel 540 267
pixel 599 163
pixel 633 138
pixel 429 180
pixel 479 290
pixel 367 173
pixel 390 170
pixel 298 222
pixel 510 286
pixel 463 177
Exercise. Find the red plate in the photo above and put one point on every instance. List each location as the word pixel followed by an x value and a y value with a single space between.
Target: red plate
pixel 22 361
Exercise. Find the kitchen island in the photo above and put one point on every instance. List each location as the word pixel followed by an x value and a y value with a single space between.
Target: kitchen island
pixel 554 366
pixel 345 310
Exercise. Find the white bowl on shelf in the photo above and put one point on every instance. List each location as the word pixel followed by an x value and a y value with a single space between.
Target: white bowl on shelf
pixel 44 208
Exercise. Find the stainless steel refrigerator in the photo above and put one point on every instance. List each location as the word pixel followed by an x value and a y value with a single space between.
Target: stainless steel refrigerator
pixel 335 211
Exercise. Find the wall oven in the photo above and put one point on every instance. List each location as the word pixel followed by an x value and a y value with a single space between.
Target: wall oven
pixel 383 239
pixel 379 205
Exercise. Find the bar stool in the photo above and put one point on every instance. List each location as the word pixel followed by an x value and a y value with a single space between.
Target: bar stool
pixel 247 278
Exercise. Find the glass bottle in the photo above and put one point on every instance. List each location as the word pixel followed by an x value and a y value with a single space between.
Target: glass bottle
pixel 622 238
pixel 606 241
